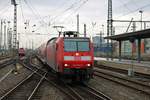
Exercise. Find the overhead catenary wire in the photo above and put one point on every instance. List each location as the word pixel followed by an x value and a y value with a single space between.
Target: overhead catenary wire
pixel 74 11
pixel 72 6
pixel 53 10
pixel 125 5
pixel 42 22
pixel 22 13
pixel 61 5
pixel 131 11
pixel 134 10
pixel 35 13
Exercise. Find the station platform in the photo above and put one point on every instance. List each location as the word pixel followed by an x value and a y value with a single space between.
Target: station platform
pixel 142 67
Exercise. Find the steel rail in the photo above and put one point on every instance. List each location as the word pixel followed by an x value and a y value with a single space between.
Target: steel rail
pixel 1 79
pixel 123 78
pixel 35 66
pixel 79 97
pixel 20 83
pixel 36 88
pixel 6 63
pixel 75 97
pixel 29 68
pixel 110 78
pixel 2 58
pixel 123 71
pixel 94 93
pixel 99 93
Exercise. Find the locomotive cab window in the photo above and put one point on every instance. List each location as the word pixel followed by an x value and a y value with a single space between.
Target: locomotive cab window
pixel 83 46
pixel 74 45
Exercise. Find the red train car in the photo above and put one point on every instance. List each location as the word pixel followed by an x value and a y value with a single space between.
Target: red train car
pixel 21 52
pixel 71 57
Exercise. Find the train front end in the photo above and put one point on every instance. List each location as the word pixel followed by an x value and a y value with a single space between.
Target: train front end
pixel 21 52
pixel 78 58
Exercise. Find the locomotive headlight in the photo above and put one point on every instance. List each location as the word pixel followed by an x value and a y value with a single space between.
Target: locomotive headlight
pixel 88 65
pixel 77 54
pixel 65 65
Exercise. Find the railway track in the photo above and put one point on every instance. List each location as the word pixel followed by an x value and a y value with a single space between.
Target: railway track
pixel 6 71
pixel 28 87
pixel 140 75
pixel 130 83
pixel 24 89
pixel 89 93
pixel 5 57
pixel 5 76
pixel 98 93
pixel 56 83
pixel 77 95
pixel 6 63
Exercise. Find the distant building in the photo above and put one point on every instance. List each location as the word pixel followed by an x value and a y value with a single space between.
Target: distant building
pixel 100 44
pixel 98 41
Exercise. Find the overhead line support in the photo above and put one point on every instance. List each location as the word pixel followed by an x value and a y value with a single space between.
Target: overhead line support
pixel 13 2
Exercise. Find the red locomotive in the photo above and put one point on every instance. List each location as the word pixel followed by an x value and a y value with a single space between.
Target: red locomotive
pixel 21 52
pixel 71 57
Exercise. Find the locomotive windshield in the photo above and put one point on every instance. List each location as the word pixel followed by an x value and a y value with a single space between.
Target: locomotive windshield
pixel 76 45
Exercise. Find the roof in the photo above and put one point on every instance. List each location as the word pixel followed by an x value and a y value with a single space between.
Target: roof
pixel 127 36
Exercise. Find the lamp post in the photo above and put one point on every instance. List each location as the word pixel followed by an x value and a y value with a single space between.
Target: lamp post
pixel 103 29
pixel 101 35
pixel 141 12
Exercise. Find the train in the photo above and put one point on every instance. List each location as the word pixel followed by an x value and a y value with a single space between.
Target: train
pixel 21 52
pixel 70 56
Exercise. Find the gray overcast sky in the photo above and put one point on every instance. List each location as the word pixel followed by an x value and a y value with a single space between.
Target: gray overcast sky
pixel 47 13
